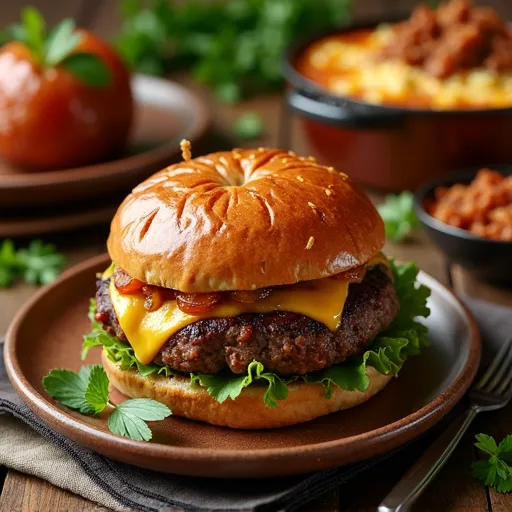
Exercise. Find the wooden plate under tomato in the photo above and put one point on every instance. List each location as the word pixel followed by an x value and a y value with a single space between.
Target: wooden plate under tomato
pixel 165 113
pixel 47 333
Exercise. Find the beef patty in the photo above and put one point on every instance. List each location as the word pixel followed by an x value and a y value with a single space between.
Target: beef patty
pixel 285 343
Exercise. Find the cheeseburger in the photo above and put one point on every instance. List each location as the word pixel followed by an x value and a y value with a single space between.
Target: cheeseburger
pixel 248 290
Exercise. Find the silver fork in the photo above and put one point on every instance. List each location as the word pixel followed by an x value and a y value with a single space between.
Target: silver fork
pixel 493 391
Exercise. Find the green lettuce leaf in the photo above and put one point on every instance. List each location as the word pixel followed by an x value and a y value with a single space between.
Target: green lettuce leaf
pixel 387 354
pixel 228 385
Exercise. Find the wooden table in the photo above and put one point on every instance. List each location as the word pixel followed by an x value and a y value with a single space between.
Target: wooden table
pixel 454 489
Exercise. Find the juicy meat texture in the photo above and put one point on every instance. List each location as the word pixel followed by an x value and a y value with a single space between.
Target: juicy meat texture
pixel 285 343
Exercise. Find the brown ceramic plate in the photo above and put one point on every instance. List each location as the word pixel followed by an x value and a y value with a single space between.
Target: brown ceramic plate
pixel 165 113
pixel 47 334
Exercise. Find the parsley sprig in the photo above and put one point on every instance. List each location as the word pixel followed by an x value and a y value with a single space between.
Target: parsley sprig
pixel 496 471
pixel 399 216
pixel 87 392
pixel 58 47
pixel 39 263
pixel 235 47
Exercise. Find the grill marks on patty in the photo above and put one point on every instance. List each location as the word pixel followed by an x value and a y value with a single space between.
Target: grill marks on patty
pixel 285 343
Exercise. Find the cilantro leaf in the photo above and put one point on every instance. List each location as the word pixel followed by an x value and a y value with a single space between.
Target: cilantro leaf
pixel 128 419
pixel 486 444
pixel 96 393
pixel 40 263
pixel 9 264
pixel 496 471
pixel 399 216
pixel 88 68
pixel 69 388
pixel 87 391
pixel 249 126
pixel 61 42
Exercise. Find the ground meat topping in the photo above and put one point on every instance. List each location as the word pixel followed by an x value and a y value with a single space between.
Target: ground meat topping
pixel 454 37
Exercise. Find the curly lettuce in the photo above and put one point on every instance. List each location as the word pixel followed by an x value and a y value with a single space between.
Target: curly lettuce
pixel 387 354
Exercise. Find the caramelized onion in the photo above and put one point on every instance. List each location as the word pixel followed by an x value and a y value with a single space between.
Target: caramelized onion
pixel 197 303
pixel 154 297
pixel 126 284
pixel 250 296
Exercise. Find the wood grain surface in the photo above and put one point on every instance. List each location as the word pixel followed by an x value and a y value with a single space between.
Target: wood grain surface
pixel 454 489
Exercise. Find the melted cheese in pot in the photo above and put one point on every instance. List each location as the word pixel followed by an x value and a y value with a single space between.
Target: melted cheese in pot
pixel 322 300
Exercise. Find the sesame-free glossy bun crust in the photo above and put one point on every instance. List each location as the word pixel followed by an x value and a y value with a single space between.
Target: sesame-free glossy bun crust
pixel 241 220
pixel 305 402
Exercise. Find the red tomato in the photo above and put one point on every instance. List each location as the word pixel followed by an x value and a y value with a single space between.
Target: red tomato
pixel 50 120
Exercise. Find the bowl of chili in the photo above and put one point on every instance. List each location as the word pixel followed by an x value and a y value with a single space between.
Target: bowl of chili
pixel 468 215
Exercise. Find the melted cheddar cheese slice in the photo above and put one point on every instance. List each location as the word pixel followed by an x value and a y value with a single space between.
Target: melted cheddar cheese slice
pixel 322 300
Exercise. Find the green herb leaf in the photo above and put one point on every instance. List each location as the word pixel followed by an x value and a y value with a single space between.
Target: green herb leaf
pixel 9 264
pixel 249 126
pixel 34 31
pixel 495 472
pixel 487 444
pixel 96 393
pixel 224 386
pixel 228 92
pixel 235 47
pixel 413 300
pixel 61 42
pixel 398 215
pixel 128 419
pixel 40 263
pixel 69 388
pixel 88 68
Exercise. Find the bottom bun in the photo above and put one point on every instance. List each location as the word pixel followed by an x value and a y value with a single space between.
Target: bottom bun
pixel 305 401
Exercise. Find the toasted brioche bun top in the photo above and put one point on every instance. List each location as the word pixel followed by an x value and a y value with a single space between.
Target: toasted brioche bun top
pixel 241 220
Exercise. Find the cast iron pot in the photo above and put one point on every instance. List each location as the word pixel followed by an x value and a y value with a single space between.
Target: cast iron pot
pixel 392 148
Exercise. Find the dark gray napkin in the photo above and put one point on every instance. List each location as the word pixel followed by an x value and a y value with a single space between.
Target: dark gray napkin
pixel 150 491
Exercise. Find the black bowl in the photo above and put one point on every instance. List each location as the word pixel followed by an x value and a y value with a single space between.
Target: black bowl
pixel 489 260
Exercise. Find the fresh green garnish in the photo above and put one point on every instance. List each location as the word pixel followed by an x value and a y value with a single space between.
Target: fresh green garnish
pixel 9 264
pixel 235 47
pixel 69 388
pixel 405 337
pixel 84 66
pixel 249 126
pixel 129 418
pixel 58 47
pixel 223 386
pixel 398 215
pixel 38 264
pixel 496 471
pixel 87 392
